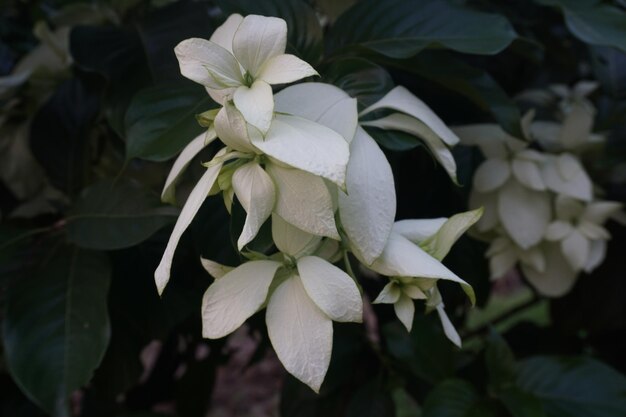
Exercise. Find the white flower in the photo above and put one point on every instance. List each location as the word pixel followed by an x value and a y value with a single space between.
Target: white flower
pixel 578 228
pixel 504 254
pixel 303 293
pixel 243 58
pixel 411 260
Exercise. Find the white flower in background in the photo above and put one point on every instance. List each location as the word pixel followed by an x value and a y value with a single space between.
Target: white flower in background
pixel 243 58
pixel 504 254
pixel 579 230
pixel 412 261
pixel 303 294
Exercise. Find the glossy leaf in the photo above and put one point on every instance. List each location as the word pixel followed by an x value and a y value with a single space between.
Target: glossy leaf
pixel 112 215
pixel 402 28
pixel 56 327
pixel 451 398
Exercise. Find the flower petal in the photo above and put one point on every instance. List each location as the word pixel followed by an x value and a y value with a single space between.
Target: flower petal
pixel 306 145
pixel 215 269
pixel 369 208
pixel 597 253
pixel 302 335
pixel 558 230
pixel 334 291
pixel 558 277
pixel 577 125
pixel 230 300
pixel 402 100
pixel 489 201
pixel 418 230
pixel 567 176
pixel 231 128
pixel 258 39
pixel 191 207
pixel 492 174
pixel 304 201
pixel 439 244
pixel 256 104
pixel 223 35
pixel 389 294
pixel 417 128
pixel 208 64
pixel 405 310
pixel 599 212
pixel 256 192
pixel 285 68
pixel 502 262
pixel 448 327
pixel 593 231
pixel 576 249
pixel 489 138
pixel 187 154
pixel 528 173
pixel 322 103
pixel 291 240
pixel 524 213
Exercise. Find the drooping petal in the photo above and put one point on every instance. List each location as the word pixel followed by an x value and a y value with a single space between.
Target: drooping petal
pixel 558 277
pixel 231 128
pixel 301 334
pixel 306 145
pixel 369 208
pixel 408 124
pixel 187 154
pixel 528 173
pixel 223 35
pixel 524 213
pixel 322 103
pixel 597 252
pixel 418 230
pixel 256 192
pixel 304 201
pixel 402 100
pixel 207 63
pixel 558 230
pixel 291 240
pixel 216 270
pixel 439 244
pixel 403 258
pixel 334 291
pixel 565 175
pixel 257 39
pixel 448 327
pixel 491 174
pixel 285 68
pixel 576 249
pixel 256 104
pixel 405 310
pixel 233 298
pixel 191 207
pixel 389 294
pixel 489 201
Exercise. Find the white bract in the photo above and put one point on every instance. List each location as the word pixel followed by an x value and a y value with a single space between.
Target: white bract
pixel 538 197
pixel 301 160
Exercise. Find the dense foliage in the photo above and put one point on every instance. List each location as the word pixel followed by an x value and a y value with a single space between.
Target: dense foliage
pixel 94 109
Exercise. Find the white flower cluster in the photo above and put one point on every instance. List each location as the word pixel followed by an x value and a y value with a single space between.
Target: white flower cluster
pixel 300 159
pixel 540 209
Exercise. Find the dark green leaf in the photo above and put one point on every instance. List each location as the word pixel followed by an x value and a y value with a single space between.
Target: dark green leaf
pixel 520 403
pixel 402 28
pixel 56 326
pixel 609 67
pixel 304 37
pixel 451 398
pixel 113 215
pixel 500 361
pixel 362 79
pixel 371 400
pixel 160 120
pixel 594 22
pixel 394 140
pixel 574 387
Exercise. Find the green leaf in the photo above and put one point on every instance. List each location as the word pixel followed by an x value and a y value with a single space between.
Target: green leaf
pixel 394 140
pixel 113 215
pixel 402 28
pixel 305 36
pixel 450 398
pixel 594 22
pixel 56 327
pixel 472 83
pixel 161 120
pixel 500 361
pixel 360 78
pixel 520 403
pixel 574 387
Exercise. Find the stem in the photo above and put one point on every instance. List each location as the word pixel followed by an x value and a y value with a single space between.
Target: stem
pixel 346 262
pixel 25 235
